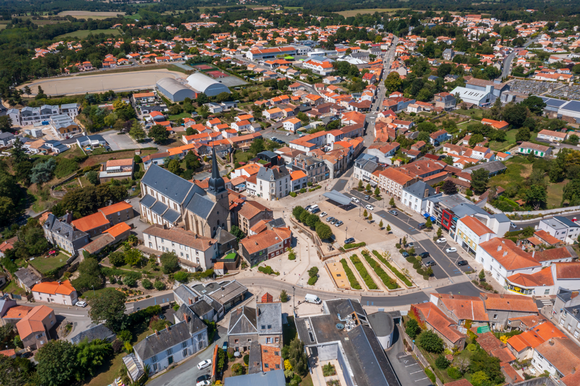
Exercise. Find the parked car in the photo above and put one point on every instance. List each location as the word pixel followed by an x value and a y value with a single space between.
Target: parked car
pixel 350 240
pixel 334 221
pixel 81 303
pixel 369 207
pixel 371 221
pixel 323 214
pixel 423 255
pixel 329 218
pixel 203 380
pixel 442 240
pixel 514 226
pixel 394 212
pixel 338 224
pixel 409 245
pixel 367 197
pixel 462 262
pixel 203 364
pixel 225 345
pixel 405 254
pixel 429 263
pixel 451 250
pixel 315 210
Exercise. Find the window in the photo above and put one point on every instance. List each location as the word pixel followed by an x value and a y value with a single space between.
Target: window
pixel 269 326
pixel 249 339
pixel 495 316
pixel 277 340
pixel 184 345
pixel 268 340
pixel 277 366
pixel 154 358
pixel 236 341
pixel 263 327
pixel 169 351
pixel 266 365
pixel 184 352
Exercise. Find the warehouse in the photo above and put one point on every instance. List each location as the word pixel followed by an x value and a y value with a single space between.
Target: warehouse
pixel 206 85
pixel 174 91
pixel 478 98
pixel 570 109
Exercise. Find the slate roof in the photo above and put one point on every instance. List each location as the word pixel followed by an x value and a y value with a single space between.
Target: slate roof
pixel 269 378
pixel 200 205
pixel 201 308
pixel 148 201
pixel 159 208
pixel 99 331
pixel 418 189
pixel 491 167
pixel 171 215
pixel 269 318
pixel 194 324
pixel 243 321
pixel 157 343
pixel 167 183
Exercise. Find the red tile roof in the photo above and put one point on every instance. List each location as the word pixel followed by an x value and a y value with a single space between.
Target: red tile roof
pixel 464 307
pixel 509 303
pixel 118 229
pixel 118 207
pixel 508 254
pixel 475 225
pixel 437 319
pixel 90 222
pixel 54 287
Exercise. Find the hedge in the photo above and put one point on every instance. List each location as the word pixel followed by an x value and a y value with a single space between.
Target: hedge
pixel 356 245
pixel 268 270
pixel 312 280
pixel 354 284
pixel 389 282
pixel 395 270
pixel 431 376
pixel 363 272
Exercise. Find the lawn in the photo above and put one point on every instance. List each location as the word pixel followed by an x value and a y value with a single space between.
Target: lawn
pixel 46 264
pixel 243 156
pixel 183 115
pixel 13 288
pixel 473 113
pixel 555 193
pixel 84 33
pixel 508 143
pixel 354 12
pixel 518 168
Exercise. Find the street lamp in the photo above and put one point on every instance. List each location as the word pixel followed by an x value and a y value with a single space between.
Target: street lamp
pixel 293 300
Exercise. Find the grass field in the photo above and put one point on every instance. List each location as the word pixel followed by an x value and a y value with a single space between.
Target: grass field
pixel 473 113
pixel 90 15
pixel 46 264
pixel 84 33
pixel 354 12
pixel 182 115
pixel 555 193
pixel 509 142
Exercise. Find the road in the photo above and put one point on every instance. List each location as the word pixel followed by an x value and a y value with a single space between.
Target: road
pixel 406 367
pixel 186 372
pixel 507 63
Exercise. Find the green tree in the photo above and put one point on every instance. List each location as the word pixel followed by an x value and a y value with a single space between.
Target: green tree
pixel 159 285
pixel 480 378
pixel 393 82
pixel 573 139
pixel 481 361
pixel 360 185
pixel 377 192
pixel 392 202
pixel 146 283
pixel 430 342
pixel 283 296
pixel 475 139
pixel 174 167
pixel 169 262
pixel 117 258
pixel 413 329
pixel 523 134
pixel 441 362
pixel 137 132
pixel 5 123
pixel 181 276
pixel 92 355
pixel 428 223
pixel 109 308
pixel 515 114
pixel 158 133
pixel 257 146
pixel 42 171
pixel 93 177
pixel 57 363
pixel 388 227
pixel 449 187
pixel 312 220
pixel 17 372
pixel 534 104
pixel 536 196
pixel 133 257
pixel 479 180
pixel 323 231
pixel 365 213
pixel 89 275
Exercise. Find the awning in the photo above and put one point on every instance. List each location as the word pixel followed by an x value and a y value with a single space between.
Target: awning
pixel 338 197
pixel 373 183
pixel 433 218
pixel 425 215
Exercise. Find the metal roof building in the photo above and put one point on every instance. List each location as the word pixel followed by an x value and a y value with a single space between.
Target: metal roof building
pixel 204 84
pixel 174 91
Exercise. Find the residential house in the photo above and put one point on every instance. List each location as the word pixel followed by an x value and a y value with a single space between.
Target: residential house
pixel 439 137
pixel 561 228
pixel 251 213
pixel 34 328
pixel 445 101
pixel 502 307
pixel 61 233
pixel 272 183
pixel 471 232
pixel 119 169
pixel 431 317
pixel 415 196
pixel 262 324
pixel 552 136
pixel 265 245
pixel 534 149
pixel 560 357
pixel 313 167
pixel 55 292
pixel 393 180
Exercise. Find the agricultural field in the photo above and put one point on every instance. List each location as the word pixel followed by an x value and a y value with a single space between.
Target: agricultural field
pixel 90 14
pixel 84 33
pixel 354 12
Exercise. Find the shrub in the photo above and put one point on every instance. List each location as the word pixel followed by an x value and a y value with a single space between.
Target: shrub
pixel 431 342
pixel 181 276
pixel 117 346
pixel 441 362
pixel 354 284
pixel 146 283
pixel 454 372
pixel 353 246
pixel 125 336
pixel 268 270
pixel 246 359
pixel 129 281
pixel 328 370
pixel 403 278
pixel 471 347
pixel 237 369
pixel 387 280
pixel 312 280
pixel 363 272
pixel 313 271
pixel 293 194
pixel 413 328
pixel 283 296
pixel 431 376
pixel 159 285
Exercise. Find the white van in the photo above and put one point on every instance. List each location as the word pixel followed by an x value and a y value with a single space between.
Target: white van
pixel 312 299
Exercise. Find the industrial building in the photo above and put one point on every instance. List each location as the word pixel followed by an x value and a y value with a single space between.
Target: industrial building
pixel 202 83
pixel 174 90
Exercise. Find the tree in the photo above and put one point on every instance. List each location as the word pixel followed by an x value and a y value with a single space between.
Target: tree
pixel 312 220
pixel 283 296
pixel 388 227
pixel 181 276
pixel 365 213
pixel 536 196
pixel 117 259
pixel 257 146
pixel 109 308
pixel 412 328
pixel 323 231
pixel 57 363
pixel 482 275
pixel 17 371
pixel 523 134
pixel 159 285
pixel 236 231
pixel 42 171
pixel 475 139
pixel 393 82
pixel 133 257
pixel 137 132
pixel 428 223
pixel 360 185
pixel 515 114
pixel 381 224
pixel 534 104
pixel 439 233
pixel 297 357
pixel 481 361
pixel 40 94
pixel 479 179
pixel 429 341
pixel 573 139
pixel 480 378
pixel 158 133
pixel 93 177
pixel 169 262
pixel 392 202
pixel 92 355
pixel 441 362
pixel 377 192
pixel 90 275
pixel 449 187
pixel 174 167
pixel 5 123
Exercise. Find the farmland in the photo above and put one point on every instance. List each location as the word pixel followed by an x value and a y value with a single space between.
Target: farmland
pixel 84 33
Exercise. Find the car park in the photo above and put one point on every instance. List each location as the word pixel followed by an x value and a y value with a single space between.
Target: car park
pixel 323 214
pixel 405 254
pixel 367 197
pixel 203 364
pixel 451 250
pixel 462 262
pixel 350 240
pixel 394 212
pixel 429 263
pixel 442 240
pixel 315 210
pixel 424 255
pixel 369 207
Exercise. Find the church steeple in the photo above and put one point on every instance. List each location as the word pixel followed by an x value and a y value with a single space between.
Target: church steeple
pixel 216 183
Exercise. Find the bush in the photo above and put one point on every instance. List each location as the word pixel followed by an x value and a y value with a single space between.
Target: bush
pixel 313 271
pixel 454 372
pixel 237 369
pixel 246 359
pixel 283 296
pixel 387 280
pixel 159 285
pixel 412 328
pixel 441 362
pixel 146 283
pixel 363 272
pixel 403 278
pixel 292 194
pixel 125 336
pixel 181 276
pixel 471 347
pixel 354 284
pixel 117 346
pixel 353 246
pixel 268 270
pixel 430 342
pixel 431 376
pixel 328 370
pixel 129 281
pixel 312 280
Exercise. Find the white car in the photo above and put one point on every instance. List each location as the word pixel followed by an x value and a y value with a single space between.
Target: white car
pixel 323 214
pixel 442 240
pixel 80 303
pixel 369 207
pixel 204 364
pixel 451 250
pixel 203 383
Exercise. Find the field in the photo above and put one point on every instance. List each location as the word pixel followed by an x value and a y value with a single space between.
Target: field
pixel 102 81
pixel 509 142
pixel 47 264
pixel 84 33
pixel 555 193
pixel 90 15
pixel 354 12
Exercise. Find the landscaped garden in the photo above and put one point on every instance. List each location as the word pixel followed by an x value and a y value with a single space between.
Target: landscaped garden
pixel 46 265
pixel 363 272
pixel 404 278
pixel 354 284
pixel 389 282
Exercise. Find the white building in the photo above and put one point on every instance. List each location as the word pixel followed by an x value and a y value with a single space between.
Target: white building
pixel 55 292
pixel 478 98
pixel 194 252
pixel 28 116
pixel 561 228
pixel 272 183
pixel 392 181
pixel 292 124
pixel 471 232
pixel 415 196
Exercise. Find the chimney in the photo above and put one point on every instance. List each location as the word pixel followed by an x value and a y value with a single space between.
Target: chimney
pixel 156 332
pixel 186 317
pixel 190 301
pixel 551 342
pixel 426 194
pixel 437 189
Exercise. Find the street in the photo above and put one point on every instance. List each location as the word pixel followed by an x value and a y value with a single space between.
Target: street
pixel 507 63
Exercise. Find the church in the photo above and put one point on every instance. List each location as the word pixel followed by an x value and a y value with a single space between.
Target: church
pixel 171 201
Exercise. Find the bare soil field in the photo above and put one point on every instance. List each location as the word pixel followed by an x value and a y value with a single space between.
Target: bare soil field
pixel 101 82
pixel 89 14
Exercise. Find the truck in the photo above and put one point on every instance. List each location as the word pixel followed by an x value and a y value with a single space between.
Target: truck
pixel 312 299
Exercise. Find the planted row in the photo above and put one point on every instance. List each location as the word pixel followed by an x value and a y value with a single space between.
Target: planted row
pixel 354 284
pixel 363 272
pixel 387 280
pixel 404 278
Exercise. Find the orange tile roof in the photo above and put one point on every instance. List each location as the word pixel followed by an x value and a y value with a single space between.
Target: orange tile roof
pixel 17 312
pixel 119 229
pixel 536 279
pixel 271 358
pixel 475 225
pixel 219 265
pixel 563 353
pixel 568 270
pixel 439 321
pixel 120 162
pixel 297 174
pixel 9 353
pixel 265 239
pixel 54 287
pixel 118 207
pixel 32 323
pixel 91 221
pixel 508 254
pixel 553 254
pixel 464 307
pixel 509 303
pixel 396 176
pixel 494 347
pixel 546 237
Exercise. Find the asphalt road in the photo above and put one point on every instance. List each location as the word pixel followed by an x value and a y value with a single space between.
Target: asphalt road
pixel 406 367
pixel 401 221
pixel 507 63
pixel 340 184
pixel 440 258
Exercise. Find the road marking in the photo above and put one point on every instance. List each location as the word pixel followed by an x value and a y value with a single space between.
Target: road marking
pixel 414 364
pixel 421 379
pixel 81 316
pixel 415 372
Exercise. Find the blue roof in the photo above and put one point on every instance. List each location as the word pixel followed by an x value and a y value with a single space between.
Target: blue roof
pixel 159 208
pixel 270 378
pixel 566 221
pixel 572 106
pixel 200 205
pixel 171 216
pixel 148 201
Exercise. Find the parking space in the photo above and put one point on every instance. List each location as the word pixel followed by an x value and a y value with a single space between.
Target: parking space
pixel 455 257
pixel 441 260
pixel 401 221
pixel 118 141
pixel 340 184
pixel 415 371
pixel 438 270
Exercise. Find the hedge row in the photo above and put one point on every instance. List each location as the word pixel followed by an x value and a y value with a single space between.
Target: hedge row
pixel 354 284
pixel 395 270
pixel 357 245
pixel 389 282
pixel 268 270
pixel 363 272
pixel 312 280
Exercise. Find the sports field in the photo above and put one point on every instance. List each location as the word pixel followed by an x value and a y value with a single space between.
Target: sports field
pixel 101 82
pixel 354 12
pixel 90 15
pixel 84 33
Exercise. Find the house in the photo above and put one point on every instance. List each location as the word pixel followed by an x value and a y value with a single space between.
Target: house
pixel 251 213
pixel 499 125
pixel 292 124
pixel 471 232
pixel 561 228
pixel 268 378
pixel 364 167
pixel 313 167
pixel 439 137
pixel 461 308
pixel 495 348
pixel 34 328
pixel 299 180
pixel 534 149
pixel 262 324
pixel 6 139
pixel 445 101
pixel 393 180
pixel 60 232
pixel 502 307
pixel 475 97
pixel 552 136
pixel 210 302
pixel 265 245
pixel 272 183
pixel 547 281
pixel 431 317
pixel 415 196
pixel 119 169
pixel 560 357
pixel 55 292
pixel 194 252
pixel 522 346
pixel 26 278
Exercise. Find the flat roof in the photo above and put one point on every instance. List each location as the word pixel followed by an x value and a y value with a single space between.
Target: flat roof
pixel 336 196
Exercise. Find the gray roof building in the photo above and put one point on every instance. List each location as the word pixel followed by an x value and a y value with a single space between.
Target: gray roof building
pixel 269 317
pixel 162 340
pixel 27 278
pixel 420 189
pixel 173 90
pixel 99 331
pixel 493 167
pixel 206 85
pixel 243 321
